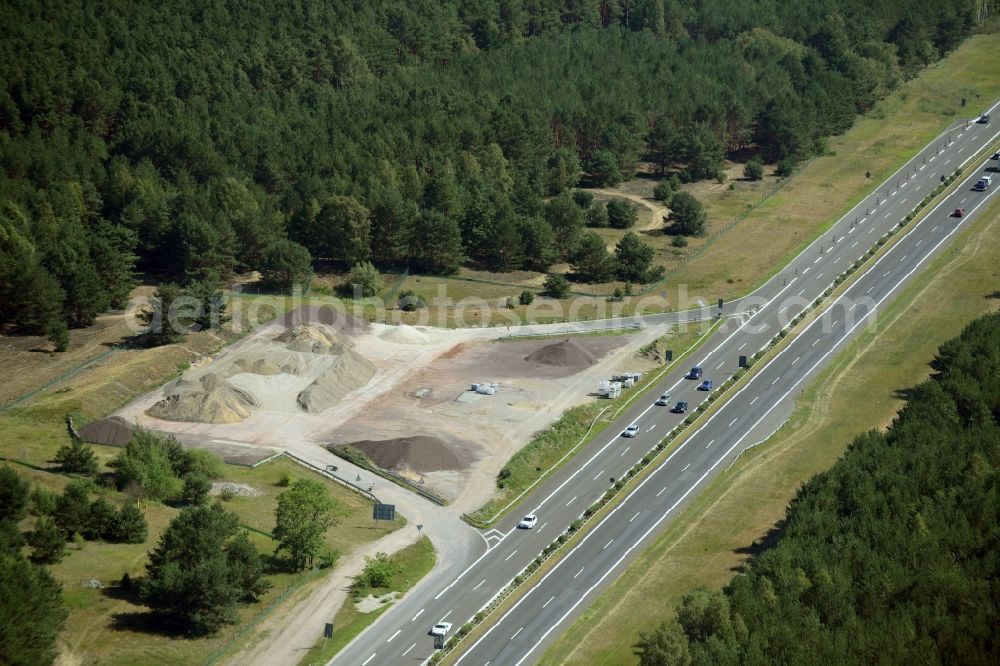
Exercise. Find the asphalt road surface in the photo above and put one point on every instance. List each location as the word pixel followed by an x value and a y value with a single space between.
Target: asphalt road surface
pixel 747 417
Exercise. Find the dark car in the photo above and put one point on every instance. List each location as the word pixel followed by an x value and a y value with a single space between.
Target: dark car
pixel 695 373
pixel 959 212
pixel 680 407
pixel 706 385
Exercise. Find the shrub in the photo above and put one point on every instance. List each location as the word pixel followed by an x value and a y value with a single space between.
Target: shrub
pixel 365 279
pixel 679 241
pixel 556 286
pixel 526 298
pixel 754 169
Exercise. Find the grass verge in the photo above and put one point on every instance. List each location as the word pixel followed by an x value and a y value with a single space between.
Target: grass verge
pixel 414 563
pixel 548 450
pixel 735 515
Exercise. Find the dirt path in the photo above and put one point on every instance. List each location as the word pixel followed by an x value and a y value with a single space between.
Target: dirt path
pixel 657 209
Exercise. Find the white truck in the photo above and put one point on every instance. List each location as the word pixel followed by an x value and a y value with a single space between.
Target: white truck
pixel 983 183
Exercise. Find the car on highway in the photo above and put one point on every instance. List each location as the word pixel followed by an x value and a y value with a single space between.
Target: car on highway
pixel 680 407
pixel 996 156
pixel 441 628
pixel 984 119
pixel 631 431
pixel 959 212
pixel 695 373
pixel 705 385
pixel 528 522
pixel 663 400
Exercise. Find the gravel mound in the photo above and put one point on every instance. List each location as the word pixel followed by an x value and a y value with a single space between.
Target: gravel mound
pixel 311 339
pixel 350 371
pixel 404 335
pixel 217 402
pixel 566 354
pixel 328 315
pixel 113 431
pixel 418 453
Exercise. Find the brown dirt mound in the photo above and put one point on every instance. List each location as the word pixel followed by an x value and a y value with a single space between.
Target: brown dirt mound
pixel 566 354
pixel 419 453
pixel 113 431
pixel 350 371
pixel 217 403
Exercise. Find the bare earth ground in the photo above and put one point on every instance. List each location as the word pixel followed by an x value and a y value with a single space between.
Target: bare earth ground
pixel 420 386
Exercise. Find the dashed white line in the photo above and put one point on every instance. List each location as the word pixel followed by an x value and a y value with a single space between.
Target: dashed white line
pixel 798 294
pixel 417 615
pixel 572 500
pixel 516 632
pixel 775 380
pixel 886 274
pixel 920 241
pixel 835 322
pixel 871 230
pixel 814 342
pixel 718 367
pixel 409 648
pixel 511 555
pixel 904 257
pixel 807 270
pixel 782 309
pixel 796 360
pixel 887 215
pixel 836 260
pixel 549 601
pixel 480 584
pixel 629 520
pixel 365 662
pixel 651 428
pixel 855 243
pixel 934 228
pixel 625 451
pixel 710 444
pixel 903 200
pixel 579 572
pixel 447 614
pixel 608 544
pixel 819 275
pixel 661 490
pixel 869 290
pixel 398 632
pixel 742 346
pixel 732 422
pixel 542 527
pixel 598 475
pixel 854 305
pixel 685 467
pixel 816 260
pixel 756 398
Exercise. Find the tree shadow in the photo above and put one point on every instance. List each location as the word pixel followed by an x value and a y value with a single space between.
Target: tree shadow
pixel 994 294
pixel 759 545
pixel 906 393
pixel 149 622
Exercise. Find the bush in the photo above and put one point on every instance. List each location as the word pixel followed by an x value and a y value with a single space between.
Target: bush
pixel 785 167
pixel 48 542
pixel 130 525
pixel 679 241
pixel 77 458
pixel 687 215
pixel 754 169
pixel 511 303
pixel 378 572
pixel 664 190
pixel 526 298
pixel 147 463
pixel 365 279
pixel 583 198
pixel 621 214
pixel 597 215
pixel 556 286
pixel 196 489
pixel 408 301
pixel 284 481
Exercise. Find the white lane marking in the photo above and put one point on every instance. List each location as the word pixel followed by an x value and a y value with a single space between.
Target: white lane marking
pixel 598 475
pixel 814 342
pixel 935 228
pixel 651 428
pixel 549 601
pixel 819 275
pixel 685 467
pixel 887 215
pixel 798 294
pixel 886 274
pixel 398 632
pixel 755 399
pixel 742 346
pixel 447 614
pixel 871 230
pixel 718 367
pixel 542 527
pixel 869 290
pixel 656 524
pixel 732 422
pixel 710 444
pixel 630 520
pixel 854 305
pixel 903 200
pixel 835 322
pixel 949 160
pixel 579 572
pixel 520 630
pixel 624 452
pixel 572 500
pixel 816 260
pixel 904 257
pixel 660 493
pixel 480 584
pixel 855 243
pixel 414 619
pixel 409 648
pixel 368 659
pixel 775 381
pixel 836 260
pixel 782 309
pixel 608 544
pixel 511 555
pixel 796 360
pixel 807 270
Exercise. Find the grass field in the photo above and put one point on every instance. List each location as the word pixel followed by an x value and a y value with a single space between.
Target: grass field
pixel 414 563
pixel 734 516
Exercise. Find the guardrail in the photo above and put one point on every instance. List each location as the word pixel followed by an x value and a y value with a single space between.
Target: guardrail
pixel 333 477
pixel 385 474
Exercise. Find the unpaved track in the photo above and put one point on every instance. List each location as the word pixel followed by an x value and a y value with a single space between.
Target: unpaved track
pixel 658 210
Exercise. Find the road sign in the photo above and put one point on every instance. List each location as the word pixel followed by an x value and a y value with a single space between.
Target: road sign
pixel 743 361
pixel 384 512
pixel 720 303
pixel 438 642
pixel 328 630
pixel 420 528
pixel 670 355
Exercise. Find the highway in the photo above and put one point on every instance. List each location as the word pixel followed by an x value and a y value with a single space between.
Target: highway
pixel 746 417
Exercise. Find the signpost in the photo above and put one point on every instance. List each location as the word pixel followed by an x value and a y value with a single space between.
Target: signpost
pixel 384 512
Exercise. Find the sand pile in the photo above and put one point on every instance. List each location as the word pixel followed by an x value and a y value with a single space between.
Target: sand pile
pixel 419 453
pixel 566 354
pixel 311 338
pixel 404 335
pixel 113 431
pixel 350 371
pixel 327 315
pixel 216 402
pixel 258 366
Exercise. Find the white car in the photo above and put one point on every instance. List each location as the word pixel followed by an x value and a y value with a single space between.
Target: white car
pixel 631 431
pixel 663 400
pixel 441 628
pixel 528 522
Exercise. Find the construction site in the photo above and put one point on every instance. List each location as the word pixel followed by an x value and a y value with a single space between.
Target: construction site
pixel 441 409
